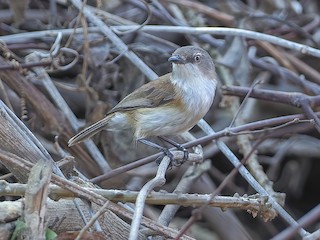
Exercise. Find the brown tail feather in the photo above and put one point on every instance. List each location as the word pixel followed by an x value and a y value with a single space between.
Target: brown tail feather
pixel 89 131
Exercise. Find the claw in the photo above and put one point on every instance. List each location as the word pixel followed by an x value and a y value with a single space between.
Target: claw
pixel 179 147
pixel 167 152
pixel 158 160
pixel 169 155
pixel 185 154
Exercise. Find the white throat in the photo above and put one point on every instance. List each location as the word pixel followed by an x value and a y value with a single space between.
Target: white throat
pixel 196 87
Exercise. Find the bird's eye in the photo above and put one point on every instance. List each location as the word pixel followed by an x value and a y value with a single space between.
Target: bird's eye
pixel 197 58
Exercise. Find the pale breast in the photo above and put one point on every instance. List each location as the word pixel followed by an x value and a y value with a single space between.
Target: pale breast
pixel 196 97
pixel 161 122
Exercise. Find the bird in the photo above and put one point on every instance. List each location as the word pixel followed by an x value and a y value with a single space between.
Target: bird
pixel 168 106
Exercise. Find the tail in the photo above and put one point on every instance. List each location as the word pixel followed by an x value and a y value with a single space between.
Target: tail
pixel 89 131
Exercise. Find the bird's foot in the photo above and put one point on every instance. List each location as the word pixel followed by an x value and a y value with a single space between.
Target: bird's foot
pixel 167 152
pixel 179 147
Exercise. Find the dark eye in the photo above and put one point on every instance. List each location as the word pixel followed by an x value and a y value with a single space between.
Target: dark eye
pixel 197 58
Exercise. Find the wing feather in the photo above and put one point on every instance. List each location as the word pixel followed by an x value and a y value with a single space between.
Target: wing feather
pixel 153 94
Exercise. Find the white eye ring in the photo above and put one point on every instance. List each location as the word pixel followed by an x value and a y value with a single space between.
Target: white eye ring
pixel 197 58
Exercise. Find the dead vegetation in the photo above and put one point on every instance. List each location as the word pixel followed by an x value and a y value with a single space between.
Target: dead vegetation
pixel 63 65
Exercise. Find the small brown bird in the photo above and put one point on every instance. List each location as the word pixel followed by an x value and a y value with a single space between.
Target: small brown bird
pixel 169 105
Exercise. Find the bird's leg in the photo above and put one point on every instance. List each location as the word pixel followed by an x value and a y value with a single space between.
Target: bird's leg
pixel 166 151
pixel 178 146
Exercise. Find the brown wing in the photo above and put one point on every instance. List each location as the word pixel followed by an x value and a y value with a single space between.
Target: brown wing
pixel 150 95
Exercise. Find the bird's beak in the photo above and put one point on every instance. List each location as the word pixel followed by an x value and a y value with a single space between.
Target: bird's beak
pixel 177 59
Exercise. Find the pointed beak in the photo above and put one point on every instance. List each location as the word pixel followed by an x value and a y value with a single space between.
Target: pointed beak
pixel 177 59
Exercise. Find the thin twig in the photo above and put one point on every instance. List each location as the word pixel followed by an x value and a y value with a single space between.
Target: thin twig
pixel 120 45
pixel 157 181
pixel 304 49
pixel 243 129
pixel 192 174
pixel 87 194
pixel 292 98
pixel 63 106
pixel 175 29
pixel 251 202
pixel 198 212
pixel 92 220
pixel 311 216
pixel 253 183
